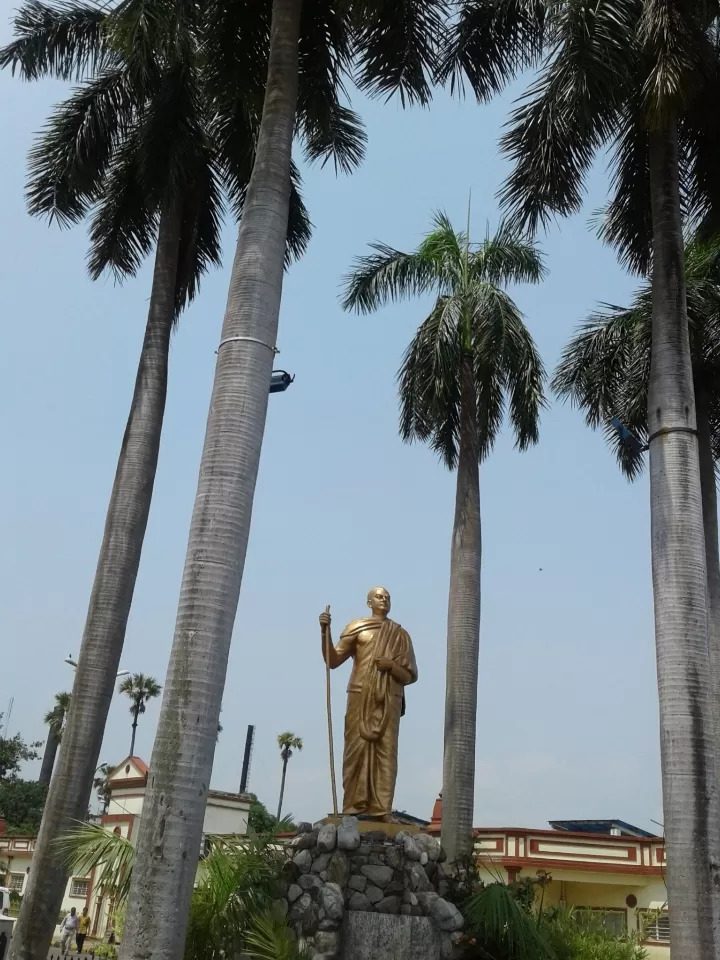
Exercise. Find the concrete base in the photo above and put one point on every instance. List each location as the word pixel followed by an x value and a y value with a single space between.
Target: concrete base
pixel 373 826
pixel 379 936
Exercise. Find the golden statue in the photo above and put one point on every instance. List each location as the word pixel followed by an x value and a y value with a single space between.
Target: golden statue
pixel 383 665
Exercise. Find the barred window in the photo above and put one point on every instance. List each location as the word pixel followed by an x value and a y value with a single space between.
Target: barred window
pixel 655 925
pixel 612 920
pixel 15 882
pixel 79 887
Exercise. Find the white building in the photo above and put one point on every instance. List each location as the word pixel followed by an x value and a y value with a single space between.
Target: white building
pixel 225 814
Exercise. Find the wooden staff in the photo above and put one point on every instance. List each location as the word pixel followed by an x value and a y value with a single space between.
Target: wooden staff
pixel 326 631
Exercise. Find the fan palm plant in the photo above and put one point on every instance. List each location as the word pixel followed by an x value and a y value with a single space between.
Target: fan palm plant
pixel 139 689
pixel 468 359
pixel 605 370
pixel 640 77
pixel 55 721
pixel 287 742
pixel 387 47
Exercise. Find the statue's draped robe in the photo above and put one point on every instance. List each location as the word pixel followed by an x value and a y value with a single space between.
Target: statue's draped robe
pixel 374 707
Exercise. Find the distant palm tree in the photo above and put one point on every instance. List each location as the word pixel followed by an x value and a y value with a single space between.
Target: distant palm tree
pixel 102 784
pixel 287 743
pixel 470 358
pixel 139 689
pixel 55 719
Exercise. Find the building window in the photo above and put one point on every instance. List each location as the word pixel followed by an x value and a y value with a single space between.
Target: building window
pixel 613 921
pixel 79 888
pixel 15 882
pixel 655 925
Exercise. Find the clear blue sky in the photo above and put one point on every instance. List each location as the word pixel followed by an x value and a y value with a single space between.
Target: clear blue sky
pixel 567 718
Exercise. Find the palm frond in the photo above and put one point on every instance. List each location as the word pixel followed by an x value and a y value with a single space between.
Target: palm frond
pixel 506 364
pixel 124 226
pixel 429 384
pixel 626 222
pixel 338 135
pixel 490 42
pixel 385 275
pixel 505 258
pixel 91 847
pixel 397 45
pixel 496 918
pixel 200 233
pixel 605 371
pixel 68 163
pixel 570 111
pixel 270 938
pixel 66 40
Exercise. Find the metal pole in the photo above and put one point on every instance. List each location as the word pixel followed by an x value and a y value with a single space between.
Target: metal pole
pixel 246 758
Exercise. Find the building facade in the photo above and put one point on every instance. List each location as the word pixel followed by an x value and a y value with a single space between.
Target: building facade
pixel 608 868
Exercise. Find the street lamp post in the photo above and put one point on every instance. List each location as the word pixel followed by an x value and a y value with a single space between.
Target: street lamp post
pixel 73 663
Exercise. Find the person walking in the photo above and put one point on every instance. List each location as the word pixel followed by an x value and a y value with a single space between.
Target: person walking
pixel 68 927
pixel 83 929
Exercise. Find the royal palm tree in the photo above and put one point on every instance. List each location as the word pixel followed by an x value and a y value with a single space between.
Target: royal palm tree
pixel 388 47
pixel 642 78
pixel 605 370
pixel 139 689
pixel 468 359
pixel 149 146
pixel 55 720
pixel 287 742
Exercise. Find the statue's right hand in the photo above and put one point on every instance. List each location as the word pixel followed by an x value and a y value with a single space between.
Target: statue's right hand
pixel 324 619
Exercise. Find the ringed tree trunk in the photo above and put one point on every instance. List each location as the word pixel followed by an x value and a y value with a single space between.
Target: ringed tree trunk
pixel 463 638
pixel 708 488
pixel 104 633
pixel 48 761
pixel 687 727
pixel 282 788
pixel 182 758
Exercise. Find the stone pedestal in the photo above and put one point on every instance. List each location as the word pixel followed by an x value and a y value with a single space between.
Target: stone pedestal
pixel 374 936
pixel 362 885
pixel 376 826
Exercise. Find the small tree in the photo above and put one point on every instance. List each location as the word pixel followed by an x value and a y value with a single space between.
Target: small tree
pixel 13 752
pixel 287 743
pixel 139 689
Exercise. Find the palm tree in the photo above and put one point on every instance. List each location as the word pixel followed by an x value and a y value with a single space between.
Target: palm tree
pixel 640 78
pixel 287 743
pixel 605 370
pixel 471 356
pixel 101 784
pixel 387 47
pixel 143 147
pixel 55 720
pixel 139 689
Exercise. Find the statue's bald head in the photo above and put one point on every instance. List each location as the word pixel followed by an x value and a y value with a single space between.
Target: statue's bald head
pixel 378 599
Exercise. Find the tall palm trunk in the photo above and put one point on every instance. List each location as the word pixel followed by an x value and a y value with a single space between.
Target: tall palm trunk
pixel 282 788
pixel 112 592
pixel 48 761
pixel 690 789
pixel 463 638
pixel 708 489
pixel 182 758
pixel 134 730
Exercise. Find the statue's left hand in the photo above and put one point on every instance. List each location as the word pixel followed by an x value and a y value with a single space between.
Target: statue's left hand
pixel 384 663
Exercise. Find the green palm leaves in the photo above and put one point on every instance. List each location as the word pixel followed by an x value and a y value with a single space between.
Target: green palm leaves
pixel 473 316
